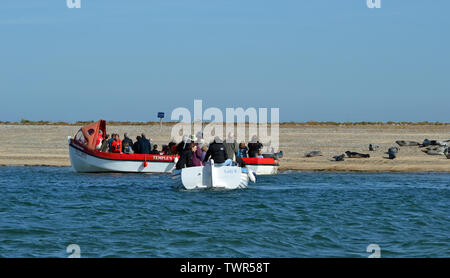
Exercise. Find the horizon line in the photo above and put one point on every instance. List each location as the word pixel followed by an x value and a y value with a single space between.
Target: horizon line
pixel 311 122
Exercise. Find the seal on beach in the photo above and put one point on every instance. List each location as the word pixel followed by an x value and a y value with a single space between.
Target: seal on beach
pixel 438 150
pixel 339 157
pixel 425 143
pixel 447 153
pixel 373 148
pixel 442 143
pixel 402 143
pixel 392 152
pixel 357 155
pixel 313 154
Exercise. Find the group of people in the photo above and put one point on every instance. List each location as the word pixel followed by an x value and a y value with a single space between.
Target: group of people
pixel 194 152
pixel 191 150
pixel 142 145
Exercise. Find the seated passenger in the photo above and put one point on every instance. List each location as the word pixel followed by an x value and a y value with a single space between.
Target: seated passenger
pixel 104 147
pixel 116 145
pixel 165 150
pixel 155 150
pixel 260 154
pixel 242 152
pixel 110 140
pixel 218 153
pixel 98 142
pixel 127 148
pixel 126 139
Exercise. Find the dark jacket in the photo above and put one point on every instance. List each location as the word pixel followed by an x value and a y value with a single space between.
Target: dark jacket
pixel 180 147
pixel 136 147
pixel 185 160
pixel 217 152
pixel 144 146
pixel 110 140
pixel 253 149
pixel 127 140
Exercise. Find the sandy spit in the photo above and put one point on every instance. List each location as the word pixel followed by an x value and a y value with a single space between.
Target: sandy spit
pixel 47 145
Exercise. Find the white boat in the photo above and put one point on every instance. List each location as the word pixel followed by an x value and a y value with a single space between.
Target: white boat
pixel 213 176
pixel 85 161
pixel 85 158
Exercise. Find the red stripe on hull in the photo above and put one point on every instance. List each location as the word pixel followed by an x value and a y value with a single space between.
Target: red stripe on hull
pixel 260 161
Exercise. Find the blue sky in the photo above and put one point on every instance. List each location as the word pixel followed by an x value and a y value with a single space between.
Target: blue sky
pixel 324 60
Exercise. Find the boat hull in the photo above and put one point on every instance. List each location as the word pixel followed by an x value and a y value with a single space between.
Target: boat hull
pixel 209 176
pixel 262 166
pixel 84 161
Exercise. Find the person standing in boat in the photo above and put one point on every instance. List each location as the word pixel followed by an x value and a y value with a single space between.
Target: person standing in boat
pixel 218 153
pixel 204 151
pixel 254 146
pixel 186 157
pixel 196 155
pixel 136 144
pixel 144 145
pixel 231 146
pixel 172 146
pixel 182 145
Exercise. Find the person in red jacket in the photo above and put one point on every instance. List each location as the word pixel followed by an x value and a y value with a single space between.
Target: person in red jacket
pixel 98 143
pixel 116 145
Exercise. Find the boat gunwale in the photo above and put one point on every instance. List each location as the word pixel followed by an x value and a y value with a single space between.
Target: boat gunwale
pixel 154 157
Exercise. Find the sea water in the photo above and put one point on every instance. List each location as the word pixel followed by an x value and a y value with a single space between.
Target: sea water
pixel 43 210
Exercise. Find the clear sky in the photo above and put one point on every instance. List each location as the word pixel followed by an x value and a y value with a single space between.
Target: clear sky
pixel 322 60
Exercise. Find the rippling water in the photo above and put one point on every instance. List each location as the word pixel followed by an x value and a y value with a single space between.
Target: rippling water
pixel 294 214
